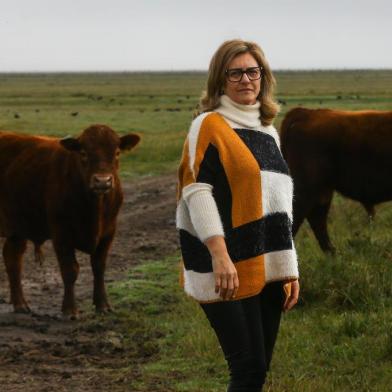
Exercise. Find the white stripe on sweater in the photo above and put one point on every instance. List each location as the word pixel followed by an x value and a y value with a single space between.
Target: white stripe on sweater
pixel 193 137
pixel 200 286
pixel 280 264
pixel 273 186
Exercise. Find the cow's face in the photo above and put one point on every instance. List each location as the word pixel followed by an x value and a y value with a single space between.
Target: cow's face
pixel 98 150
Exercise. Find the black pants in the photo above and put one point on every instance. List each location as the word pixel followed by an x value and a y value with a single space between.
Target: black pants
pixel 247 331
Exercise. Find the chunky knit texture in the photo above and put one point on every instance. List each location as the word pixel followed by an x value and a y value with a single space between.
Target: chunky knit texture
pixel 234 182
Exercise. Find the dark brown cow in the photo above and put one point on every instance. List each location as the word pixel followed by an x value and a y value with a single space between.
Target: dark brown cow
pixel 328 150
pixel 66 190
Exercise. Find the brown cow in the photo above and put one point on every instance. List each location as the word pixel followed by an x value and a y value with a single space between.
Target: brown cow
pixel 328 150
pixel 66 190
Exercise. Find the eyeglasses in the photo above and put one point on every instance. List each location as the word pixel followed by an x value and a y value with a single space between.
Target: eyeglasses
pixel 236 74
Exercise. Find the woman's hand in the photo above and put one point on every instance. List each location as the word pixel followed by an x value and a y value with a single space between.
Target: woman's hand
pixel 226 277
pixel 293 293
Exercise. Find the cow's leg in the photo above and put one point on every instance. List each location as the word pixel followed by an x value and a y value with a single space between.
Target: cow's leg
pixel 13 250
pixel 302 205
pixel 318 221
pixel 98 265
pixel 69 271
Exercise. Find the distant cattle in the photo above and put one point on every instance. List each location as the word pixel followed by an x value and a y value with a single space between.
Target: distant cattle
pixel 67 190
pixel 328 150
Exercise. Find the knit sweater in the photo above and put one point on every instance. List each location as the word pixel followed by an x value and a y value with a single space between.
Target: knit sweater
pixel 234 182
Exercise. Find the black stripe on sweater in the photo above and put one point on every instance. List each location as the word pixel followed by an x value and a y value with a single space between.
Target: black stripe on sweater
pixel 268 234
pixel 211 171
pixel 264 149
pixel 209 166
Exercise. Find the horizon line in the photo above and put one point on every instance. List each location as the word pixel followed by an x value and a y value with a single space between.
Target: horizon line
pixel 343 69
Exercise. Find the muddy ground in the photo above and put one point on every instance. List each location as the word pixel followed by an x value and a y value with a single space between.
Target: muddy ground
pixel 41 351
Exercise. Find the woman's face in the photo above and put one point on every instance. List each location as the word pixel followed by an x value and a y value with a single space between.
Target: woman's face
pixel 245 91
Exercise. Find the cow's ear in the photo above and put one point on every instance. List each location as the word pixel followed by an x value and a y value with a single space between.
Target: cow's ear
pixel 71 144
pixel 129 141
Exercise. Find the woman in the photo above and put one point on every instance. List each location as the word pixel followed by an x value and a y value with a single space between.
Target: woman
pixel 234 213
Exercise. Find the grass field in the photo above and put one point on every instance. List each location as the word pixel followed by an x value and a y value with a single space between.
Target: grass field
pixel 159 106
pixel 339 338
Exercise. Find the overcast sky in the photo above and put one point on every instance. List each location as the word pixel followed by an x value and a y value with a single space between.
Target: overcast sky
pixel 127 35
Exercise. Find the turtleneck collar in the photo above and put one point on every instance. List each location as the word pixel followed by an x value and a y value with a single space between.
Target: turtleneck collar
pixel 243 116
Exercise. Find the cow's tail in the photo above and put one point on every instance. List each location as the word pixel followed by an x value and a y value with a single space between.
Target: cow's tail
pixel 39 256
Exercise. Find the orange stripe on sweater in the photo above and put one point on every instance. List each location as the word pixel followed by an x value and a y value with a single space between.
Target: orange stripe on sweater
pixel 241 168
pixel 251 276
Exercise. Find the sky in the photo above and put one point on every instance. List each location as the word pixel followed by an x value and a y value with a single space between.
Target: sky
pixel 149 35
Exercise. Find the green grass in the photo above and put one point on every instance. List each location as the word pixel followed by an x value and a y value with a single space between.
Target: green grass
pixel 159 106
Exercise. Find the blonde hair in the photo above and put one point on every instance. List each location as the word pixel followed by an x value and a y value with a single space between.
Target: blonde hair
pixel 217 79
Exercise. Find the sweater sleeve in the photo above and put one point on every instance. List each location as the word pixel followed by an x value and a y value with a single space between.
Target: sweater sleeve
pixel 203 210
pixel 197 178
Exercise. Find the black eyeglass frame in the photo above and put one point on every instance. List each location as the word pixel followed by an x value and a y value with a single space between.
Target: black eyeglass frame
pixel 244 72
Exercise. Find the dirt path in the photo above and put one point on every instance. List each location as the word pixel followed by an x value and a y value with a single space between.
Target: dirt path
pixel 42 352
